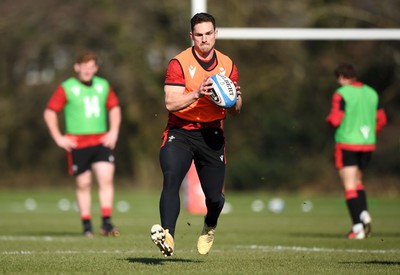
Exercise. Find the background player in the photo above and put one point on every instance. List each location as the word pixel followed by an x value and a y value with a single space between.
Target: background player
pixel 88 102
pixel 357 117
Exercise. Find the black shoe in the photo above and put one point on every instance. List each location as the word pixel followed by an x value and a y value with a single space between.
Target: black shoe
pixel 87 228
pixel 109 230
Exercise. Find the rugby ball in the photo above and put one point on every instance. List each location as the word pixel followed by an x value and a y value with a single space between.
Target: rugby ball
pixel 223 91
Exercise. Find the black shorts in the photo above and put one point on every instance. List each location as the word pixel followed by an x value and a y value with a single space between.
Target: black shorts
pixel 206 145
pixel 81 160
pixel 352 158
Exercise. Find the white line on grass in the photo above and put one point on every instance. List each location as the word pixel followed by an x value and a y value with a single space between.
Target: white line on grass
pixel 264 248
pixel 26 252
pixel 317 249
pixel 238 248
pixel 26 238
pixel 37 239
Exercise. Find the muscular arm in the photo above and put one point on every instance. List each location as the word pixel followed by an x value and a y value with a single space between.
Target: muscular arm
pixel 176 99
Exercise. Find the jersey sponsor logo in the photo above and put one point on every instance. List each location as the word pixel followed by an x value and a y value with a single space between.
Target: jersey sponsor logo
pixel 365 131
pixel 222 71
pixel 92 106
pixel 192 71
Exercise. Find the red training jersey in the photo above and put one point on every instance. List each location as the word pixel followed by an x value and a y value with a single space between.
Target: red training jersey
pixel 188 71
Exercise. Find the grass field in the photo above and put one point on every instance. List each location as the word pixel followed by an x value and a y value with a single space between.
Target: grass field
pixel 40 233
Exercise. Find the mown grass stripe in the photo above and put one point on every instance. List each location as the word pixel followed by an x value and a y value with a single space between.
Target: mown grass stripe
pixel 236 248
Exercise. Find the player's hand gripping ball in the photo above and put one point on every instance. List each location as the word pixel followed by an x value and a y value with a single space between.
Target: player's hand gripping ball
pixel 223 91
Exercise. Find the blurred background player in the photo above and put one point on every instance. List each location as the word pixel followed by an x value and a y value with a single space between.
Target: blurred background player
pixel 92 120
pixel 357 116
pixel 194 132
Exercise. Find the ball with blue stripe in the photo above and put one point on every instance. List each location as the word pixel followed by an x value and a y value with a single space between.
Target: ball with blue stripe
pixel 223 91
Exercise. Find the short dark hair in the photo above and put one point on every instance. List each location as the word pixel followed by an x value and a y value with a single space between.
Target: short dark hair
pixel 345 70
pixel 200 18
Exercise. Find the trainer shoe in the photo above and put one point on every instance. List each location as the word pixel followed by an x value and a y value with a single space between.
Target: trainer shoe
pixel 206 239
pixel 357 232
pixel 366 220
pixel 163 239
pixel 109 230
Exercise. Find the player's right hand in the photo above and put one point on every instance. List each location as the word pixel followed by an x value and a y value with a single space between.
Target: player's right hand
pixel 66 142
pixel 204 87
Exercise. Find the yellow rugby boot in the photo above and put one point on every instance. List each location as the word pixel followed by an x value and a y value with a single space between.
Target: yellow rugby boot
pixel 163 239
pixel 206 239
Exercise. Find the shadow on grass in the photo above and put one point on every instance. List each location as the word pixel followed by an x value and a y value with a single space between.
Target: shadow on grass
pixel 374 262
pixel 386 234
pixel 158 261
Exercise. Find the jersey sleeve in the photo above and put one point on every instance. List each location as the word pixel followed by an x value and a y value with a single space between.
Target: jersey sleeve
pixel 235 74
pixel 58 100
pixel 336 114
pixel 381 119
pixel 112 99
pixel 174 75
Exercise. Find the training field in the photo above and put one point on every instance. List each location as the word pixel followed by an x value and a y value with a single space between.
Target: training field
pixel 40 233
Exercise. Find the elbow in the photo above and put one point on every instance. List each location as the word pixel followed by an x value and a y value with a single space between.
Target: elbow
pixel 335 119
pixel 332 122
pixel 170 107
pixel 173 107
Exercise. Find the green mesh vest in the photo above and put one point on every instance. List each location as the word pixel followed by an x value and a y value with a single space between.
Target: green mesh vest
pixel 85 111
pixel 359 122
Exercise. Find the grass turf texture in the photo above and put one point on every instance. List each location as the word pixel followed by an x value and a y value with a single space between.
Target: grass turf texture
pixel 47 240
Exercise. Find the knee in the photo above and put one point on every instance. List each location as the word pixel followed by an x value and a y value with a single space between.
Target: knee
pixel 216 201
pixel 105 183
pixel 83 186
pixel 172 182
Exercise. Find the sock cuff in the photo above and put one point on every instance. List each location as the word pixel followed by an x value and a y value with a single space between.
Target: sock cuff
pixel 350 194
pixel 86 217
pixel 106 211
pixel 360 187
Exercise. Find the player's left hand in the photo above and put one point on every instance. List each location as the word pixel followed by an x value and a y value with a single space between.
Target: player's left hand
pixel 110 139
pixel 235 109
pixel 238 92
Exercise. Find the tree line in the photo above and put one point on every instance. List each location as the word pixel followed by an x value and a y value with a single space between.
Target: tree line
pixel 280 141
